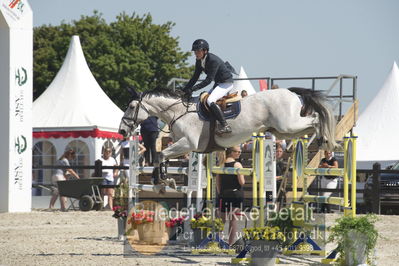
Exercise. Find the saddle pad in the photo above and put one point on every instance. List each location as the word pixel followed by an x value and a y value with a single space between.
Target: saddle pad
pixel 232 111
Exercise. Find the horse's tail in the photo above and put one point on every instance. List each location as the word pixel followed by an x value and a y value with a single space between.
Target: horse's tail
pixel 316 101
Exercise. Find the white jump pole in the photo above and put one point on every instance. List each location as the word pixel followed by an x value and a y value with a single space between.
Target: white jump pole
pixel 16 61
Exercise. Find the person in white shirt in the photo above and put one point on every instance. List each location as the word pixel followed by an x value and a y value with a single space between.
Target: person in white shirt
pixel 109 175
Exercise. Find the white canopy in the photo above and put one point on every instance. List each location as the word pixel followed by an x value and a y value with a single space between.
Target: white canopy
pixel 240 85
pixel 74 99
pixel 378 125
pixel 74 112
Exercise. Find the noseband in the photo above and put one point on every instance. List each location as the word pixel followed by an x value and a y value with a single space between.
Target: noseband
pixel 131 122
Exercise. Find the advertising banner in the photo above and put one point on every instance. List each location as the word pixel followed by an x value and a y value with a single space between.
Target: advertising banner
pixel 16 44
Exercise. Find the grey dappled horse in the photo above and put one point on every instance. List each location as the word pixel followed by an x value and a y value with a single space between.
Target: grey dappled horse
pixel 287 113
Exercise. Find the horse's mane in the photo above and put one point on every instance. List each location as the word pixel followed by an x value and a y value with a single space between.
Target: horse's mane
pixel 163 92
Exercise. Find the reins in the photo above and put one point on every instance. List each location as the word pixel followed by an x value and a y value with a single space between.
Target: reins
pixel 173 121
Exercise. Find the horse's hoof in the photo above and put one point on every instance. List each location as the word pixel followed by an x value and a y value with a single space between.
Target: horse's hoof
pixel 171 183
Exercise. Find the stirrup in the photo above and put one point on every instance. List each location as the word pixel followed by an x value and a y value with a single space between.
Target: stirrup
pixel 223 130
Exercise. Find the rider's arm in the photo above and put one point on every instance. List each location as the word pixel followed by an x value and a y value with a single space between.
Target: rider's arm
pixel 211 73
pixel 195 77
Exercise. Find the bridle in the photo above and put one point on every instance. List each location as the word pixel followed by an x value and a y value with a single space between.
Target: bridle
pixel 131 122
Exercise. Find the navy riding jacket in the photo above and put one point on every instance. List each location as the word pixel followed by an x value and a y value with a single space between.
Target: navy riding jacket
pixel 215 70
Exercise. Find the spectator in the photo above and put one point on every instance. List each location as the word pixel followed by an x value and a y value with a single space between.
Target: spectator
pixel 281 164
pixel 60 175
pixel 149 131
pixel 275 86
pixel 247 146
pixel 109 175
pixel 282 143
pixel 230 191
pixel 244 93
pixel 328 181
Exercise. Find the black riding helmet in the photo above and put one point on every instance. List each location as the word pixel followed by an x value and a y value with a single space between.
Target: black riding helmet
pixel 200 44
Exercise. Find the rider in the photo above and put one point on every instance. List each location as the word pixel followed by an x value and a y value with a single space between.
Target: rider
pixel 216 70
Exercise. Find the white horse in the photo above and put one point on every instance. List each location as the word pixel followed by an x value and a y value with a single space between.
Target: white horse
pixel 287 113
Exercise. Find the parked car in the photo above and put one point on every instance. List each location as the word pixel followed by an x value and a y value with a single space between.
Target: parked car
pixel 389 191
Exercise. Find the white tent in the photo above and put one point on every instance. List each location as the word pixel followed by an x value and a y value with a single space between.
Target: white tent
pixel 74 111
pixel 378 125
pixel 240 85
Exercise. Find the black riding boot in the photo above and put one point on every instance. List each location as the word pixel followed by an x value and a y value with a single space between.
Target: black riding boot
pixel 224 128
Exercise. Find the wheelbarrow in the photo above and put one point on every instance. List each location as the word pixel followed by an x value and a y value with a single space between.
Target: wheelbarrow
pixel 86 190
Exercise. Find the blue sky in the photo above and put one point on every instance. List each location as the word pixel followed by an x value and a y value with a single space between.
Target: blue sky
pixel 285 38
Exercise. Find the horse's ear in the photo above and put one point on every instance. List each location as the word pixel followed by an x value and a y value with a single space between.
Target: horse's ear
pixel 133 93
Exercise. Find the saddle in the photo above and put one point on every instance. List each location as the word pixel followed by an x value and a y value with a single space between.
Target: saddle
pixel 229 104
pixel 231 107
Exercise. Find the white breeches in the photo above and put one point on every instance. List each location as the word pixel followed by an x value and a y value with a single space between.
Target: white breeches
pixel 328 183
pixel 219 91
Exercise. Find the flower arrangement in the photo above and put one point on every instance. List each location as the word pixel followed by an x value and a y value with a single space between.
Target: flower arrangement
pixel 119 212
pixel 121 200
pixel 141 217
pixel 200 221
pixel 284 221
pixel 175 222
pixel 264 233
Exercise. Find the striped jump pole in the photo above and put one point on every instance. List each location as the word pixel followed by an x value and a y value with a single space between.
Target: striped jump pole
pixel 194 171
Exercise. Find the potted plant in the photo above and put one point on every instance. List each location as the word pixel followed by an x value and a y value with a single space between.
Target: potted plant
pixel 265 243
pixel 120 213
pixel 120 208
pixel 283 220
pixel 174 225
pixel 355 237
pixel 202 226
pixel 148 229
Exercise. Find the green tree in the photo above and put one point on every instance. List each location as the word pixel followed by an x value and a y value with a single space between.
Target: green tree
pixel 131 51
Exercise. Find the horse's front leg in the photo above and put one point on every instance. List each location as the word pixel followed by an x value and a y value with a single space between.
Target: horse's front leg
pixel 159 179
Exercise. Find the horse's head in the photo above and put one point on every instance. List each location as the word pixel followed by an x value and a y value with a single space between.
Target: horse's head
pixel 133 116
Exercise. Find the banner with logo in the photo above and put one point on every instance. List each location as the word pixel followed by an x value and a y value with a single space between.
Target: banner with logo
pixel 270 168
pixel 16 57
